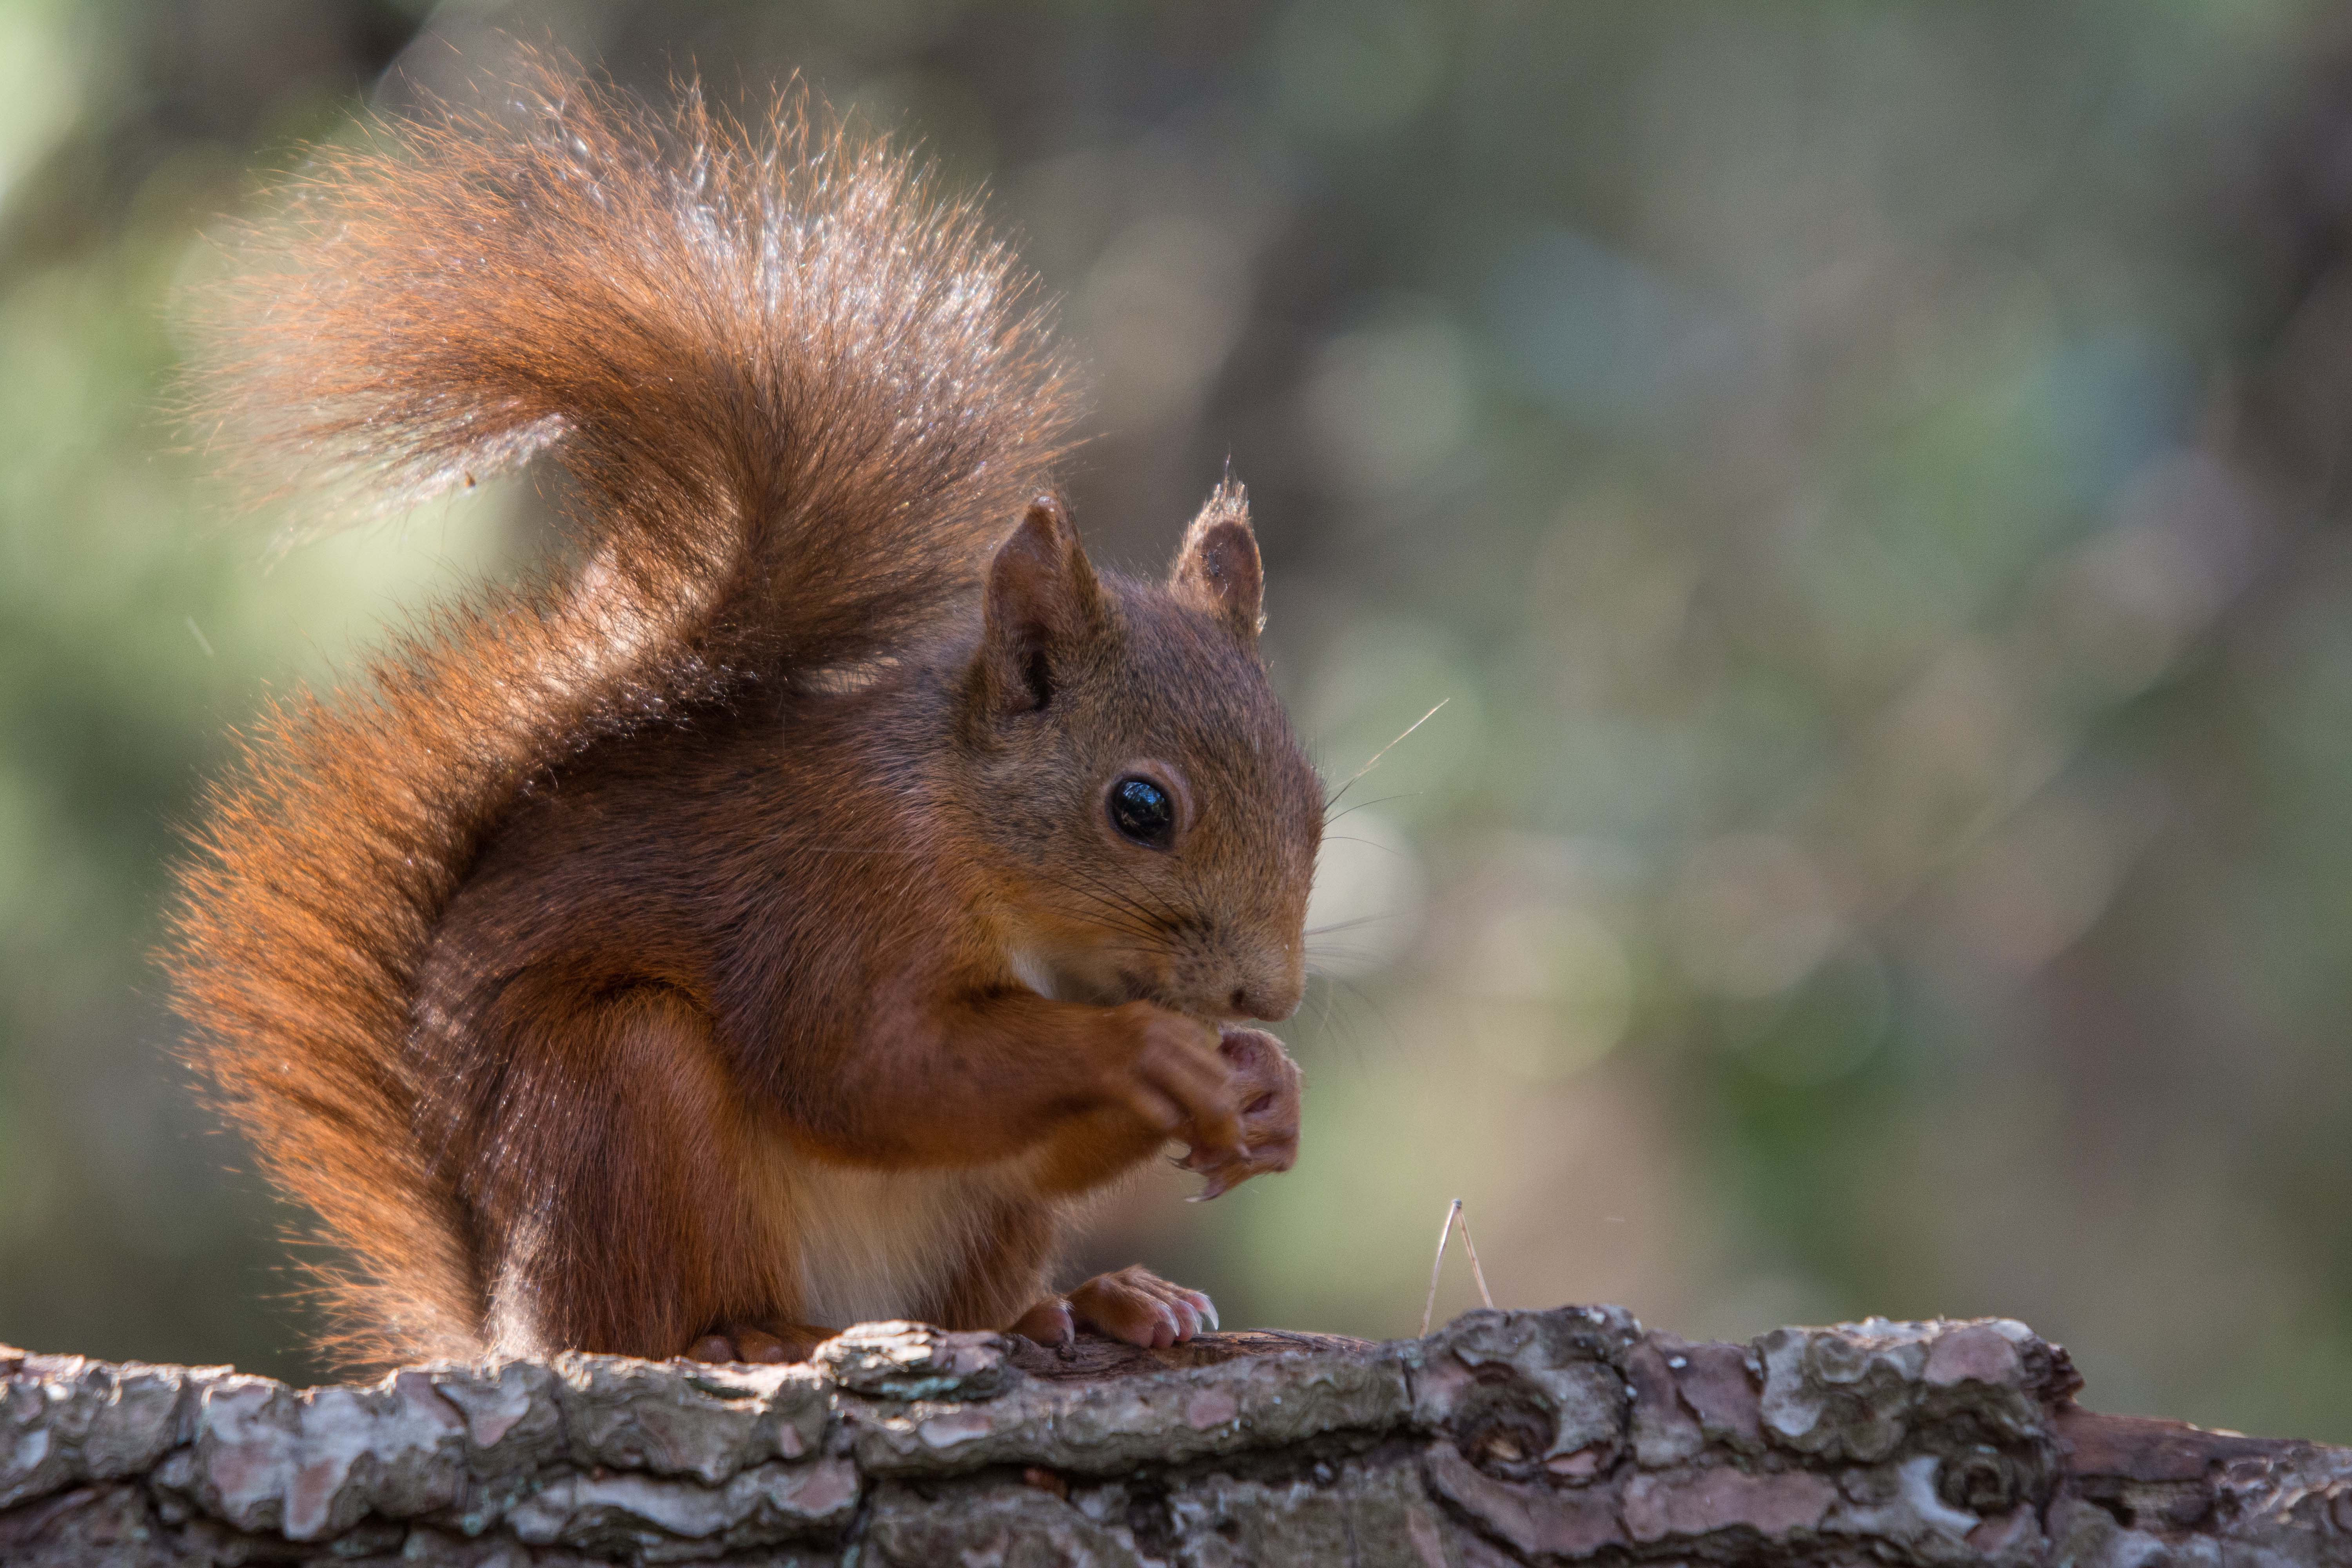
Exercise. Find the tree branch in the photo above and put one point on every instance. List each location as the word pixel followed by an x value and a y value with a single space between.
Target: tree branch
pixel 1508 1437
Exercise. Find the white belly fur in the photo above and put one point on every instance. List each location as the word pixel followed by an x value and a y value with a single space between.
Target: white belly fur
pixel 868 1246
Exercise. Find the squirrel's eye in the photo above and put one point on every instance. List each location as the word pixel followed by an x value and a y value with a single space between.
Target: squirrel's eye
pixel 1142 811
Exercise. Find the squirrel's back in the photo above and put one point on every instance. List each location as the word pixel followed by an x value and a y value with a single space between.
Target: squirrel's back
pixel 796 399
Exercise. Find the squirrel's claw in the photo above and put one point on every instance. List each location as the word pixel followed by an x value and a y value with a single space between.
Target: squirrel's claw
pixel 1049 1322
pixel 1225 1174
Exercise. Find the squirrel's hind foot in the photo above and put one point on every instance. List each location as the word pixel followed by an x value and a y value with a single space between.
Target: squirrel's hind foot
pixel 1134 1306
pixel 758 1346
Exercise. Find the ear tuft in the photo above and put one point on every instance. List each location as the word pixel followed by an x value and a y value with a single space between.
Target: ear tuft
pixel 1042 599
pixel 1217 569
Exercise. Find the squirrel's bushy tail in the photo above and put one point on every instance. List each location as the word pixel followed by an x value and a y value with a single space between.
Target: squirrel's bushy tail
pixel 797 399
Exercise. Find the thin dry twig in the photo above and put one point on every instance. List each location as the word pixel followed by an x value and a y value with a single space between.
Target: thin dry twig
pixel 1472 1249
pixel 1453 1217
pixel 1444 1235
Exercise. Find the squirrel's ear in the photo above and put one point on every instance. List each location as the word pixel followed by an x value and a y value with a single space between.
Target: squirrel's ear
pixel 1217 569
pixel 1042 598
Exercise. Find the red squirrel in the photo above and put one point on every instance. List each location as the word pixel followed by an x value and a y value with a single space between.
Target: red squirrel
pixel 785 908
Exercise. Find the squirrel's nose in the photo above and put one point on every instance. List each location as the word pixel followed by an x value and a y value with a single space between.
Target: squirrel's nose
pixel 1271 1004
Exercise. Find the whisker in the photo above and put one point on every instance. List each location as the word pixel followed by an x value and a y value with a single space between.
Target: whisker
pixel 1383 800
pixel 1383 752
pixel 1323 1014
pixel 1121 910
pixel 1346 838
pixel 1364 998
pixel 1347 955
pixel 1335 1029
pixel 1111 916
pixel 1348 924
pixel 1157 915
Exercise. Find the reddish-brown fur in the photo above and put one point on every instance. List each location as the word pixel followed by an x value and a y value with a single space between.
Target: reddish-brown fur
pixel 724 934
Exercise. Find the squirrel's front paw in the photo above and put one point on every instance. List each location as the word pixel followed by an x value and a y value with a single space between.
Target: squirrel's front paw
pixel 1177 1078
pixel 1134 1305
pixel 1267 1083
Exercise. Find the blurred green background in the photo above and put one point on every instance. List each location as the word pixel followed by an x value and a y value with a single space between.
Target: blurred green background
pixel 1867 483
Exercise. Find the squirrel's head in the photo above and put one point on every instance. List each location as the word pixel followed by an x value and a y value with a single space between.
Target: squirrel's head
pixel 1127 759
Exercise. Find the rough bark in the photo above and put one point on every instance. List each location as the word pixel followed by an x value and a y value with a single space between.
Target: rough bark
pixel 1563 1436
